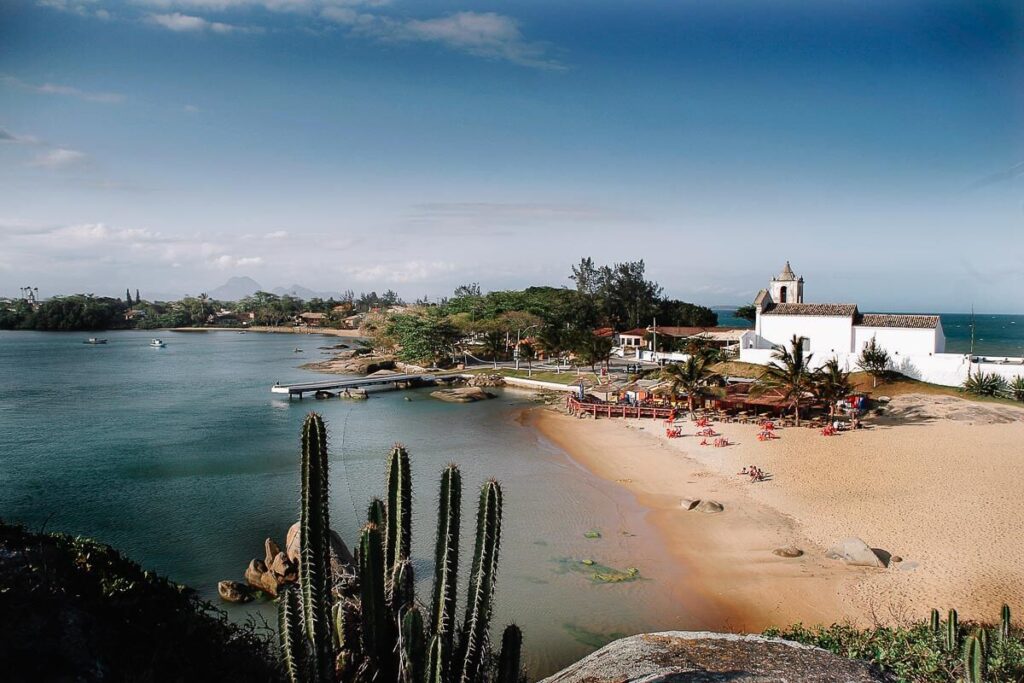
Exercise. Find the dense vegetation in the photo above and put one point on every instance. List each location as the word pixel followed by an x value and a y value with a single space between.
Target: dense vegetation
pixel 77 610
pixel 934 651
pixel 79 312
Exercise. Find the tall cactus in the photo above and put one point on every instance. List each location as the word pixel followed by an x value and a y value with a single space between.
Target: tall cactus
pixel 446 557
pixel 290 634
pixel 376 641
pixel 952 630
pixel 509 666
pixel 481 583
pixel 1004 622
pixel 411 646
pixel 399 510
pixel 375 513
pixel 403 589
pixel 437 661
pixel 974 660
pixel 935 622
pixel 315 561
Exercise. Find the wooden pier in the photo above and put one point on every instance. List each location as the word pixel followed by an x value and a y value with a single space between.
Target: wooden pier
pixel 360 382
pixel 576 407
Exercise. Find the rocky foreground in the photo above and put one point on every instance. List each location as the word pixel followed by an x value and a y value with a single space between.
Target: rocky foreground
pixel 703 657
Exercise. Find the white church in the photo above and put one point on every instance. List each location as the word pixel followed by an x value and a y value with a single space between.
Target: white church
pixel 916 343
pixel 835 330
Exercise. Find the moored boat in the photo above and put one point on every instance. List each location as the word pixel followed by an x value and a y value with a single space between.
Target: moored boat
pixel 94 340
pixel 157 343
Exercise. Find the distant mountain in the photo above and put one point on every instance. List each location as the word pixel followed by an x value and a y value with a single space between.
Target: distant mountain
pixel 300 292
pixel 234 289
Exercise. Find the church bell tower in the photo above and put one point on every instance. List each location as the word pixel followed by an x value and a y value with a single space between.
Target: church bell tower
pixel 786 287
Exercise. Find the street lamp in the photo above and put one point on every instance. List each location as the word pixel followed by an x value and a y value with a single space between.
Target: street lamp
pixel 519 338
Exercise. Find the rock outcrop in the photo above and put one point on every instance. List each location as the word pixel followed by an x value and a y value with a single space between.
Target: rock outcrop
pixel 703 657
pixel 854 551
pixel 462 395
pixel 486 379
pixel 234 591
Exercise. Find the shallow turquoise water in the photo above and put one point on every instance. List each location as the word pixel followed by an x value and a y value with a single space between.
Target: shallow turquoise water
pixel 183 459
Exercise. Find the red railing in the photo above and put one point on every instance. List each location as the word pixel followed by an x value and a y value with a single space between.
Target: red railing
pixel 576 406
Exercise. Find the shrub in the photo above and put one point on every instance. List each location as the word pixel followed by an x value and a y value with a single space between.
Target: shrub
pixel 986 384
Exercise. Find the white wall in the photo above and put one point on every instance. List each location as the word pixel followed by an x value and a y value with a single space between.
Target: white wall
pixel 827 334
pixel 907 341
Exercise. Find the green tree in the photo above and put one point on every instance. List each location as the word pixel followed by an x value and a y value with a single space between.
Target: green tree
pixel 550 340
pixel 591 350
pixel 425 336
pixel 831 384
pixel 788 374
pixel 128 296
pixel 693 377
pixel 748 312
pixel 874 360
pixel 138 299
pixel 527 353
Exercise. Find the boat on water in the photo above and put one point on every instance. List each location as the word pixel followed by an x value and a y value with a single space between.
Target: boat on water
pixel 157 343
pixel 94 340
pixel 297 351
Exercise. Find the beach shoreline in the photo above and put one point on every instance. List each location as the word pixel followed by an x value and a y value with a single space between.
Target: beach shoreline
pixel 908 485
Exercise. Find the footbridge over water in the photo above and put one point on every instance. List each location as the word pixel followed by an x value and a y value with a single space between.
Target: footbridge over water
pixel 359 382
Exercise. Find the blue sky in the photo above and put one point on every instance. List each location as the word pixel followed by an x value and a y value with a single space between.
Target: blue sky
pixel 170 144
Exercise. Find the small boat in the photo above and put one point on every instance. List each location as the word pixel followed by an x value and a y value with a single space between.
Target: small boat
pixel 94 340
pixel 157 343
pixel 297 350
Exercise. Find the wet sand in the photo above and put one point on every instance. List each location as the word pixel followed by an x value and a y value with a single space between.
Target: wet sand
pixel 936 483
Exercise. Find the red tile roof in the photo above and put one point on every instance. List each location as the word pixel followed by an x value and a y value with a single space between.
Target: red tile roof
pixel 898 320
pixel 832 310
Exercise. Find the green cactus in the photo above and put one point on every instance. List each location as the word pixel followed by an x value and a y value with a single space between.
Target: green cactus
pixel 403 588
pixel 376 630
pixel 412 646
pixel 375 514
pixel 974 660
pixel 952 630
pixel 509 666
pixel 1004 622
pixel 936 622
pixel 481 583
pixel 446 557
pixel 399 509
pixel 290 634
pixel 376 641
pixel 315 562
pixel 437 661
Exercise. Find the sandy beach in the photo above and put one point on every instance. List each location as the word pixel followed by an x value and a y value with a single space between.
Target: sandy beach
pixel 935 482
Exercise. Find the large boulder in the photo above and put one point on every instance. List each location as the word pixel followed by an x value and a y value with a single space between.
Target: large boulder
pixel 703 657
pixel 854 551
pixel 254 573
pixel 486 379
pixel 270 550
pixel 462 395
pixel 339 551
pixel 234 591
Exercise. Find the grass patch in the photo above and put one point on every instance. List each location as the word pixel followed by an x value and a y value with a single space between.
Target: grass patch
pixel 597 572
pixel 594 639
pixel 900 385
pixel 915 652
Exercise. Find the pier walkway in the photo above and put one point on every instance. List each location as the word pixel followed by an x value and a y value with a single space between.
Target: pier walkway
pixel 360 382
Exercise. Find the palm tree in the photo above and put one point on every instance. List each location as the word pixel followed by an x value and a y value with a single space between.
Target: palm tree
pixel 527 353
pixel 831 384
pixel 789 374
pixel 692 377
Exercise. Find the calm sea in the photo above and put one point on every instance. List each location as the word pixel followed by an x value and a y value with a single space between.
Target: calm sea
pixel 183 459
pixel 994 335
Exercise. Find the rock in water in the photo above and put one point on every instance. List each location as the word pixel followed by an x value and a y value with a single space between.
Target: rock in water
pixel 700 656
pixel 254 573
pixel 291 544
pixel 462 395
pixel 270 550
pixel 234 591
pixel 709 506
pixel 855 552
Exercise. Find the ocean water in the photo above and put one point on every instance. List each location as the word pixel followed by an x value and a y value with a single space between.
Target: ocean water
pixel 183 459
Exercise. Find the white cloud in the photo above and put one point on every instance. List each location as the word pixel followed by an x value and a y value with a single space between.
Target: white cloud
pixel 484 34
pixel 276 235
pixel 400 273
pixel 59 157
pixel 190 109
pixel 65 90
pixel 227 262
pixel 188 23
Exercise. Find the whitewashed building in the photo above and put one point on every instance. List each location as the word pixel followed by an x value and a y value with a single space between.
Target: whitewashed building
pixel 915 343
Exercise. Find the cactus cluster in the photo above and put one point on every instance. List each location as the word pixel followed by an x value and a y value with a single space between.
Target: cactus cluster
pixel 363 622
pixel 976 647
